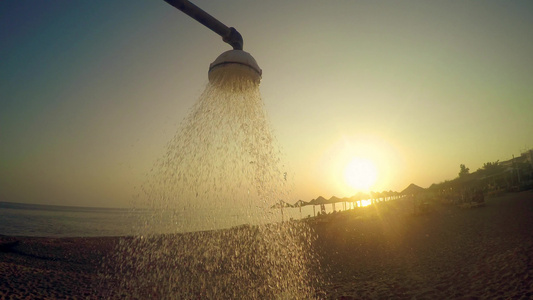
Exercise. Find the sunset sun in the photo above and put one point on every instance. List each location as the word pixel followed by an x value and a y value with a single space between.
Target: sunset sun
pixel 360 174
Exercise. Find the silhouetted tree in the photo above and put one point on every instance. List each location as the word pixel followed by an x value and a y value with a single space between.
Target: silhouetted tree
pixel 491 168
pixel 464 171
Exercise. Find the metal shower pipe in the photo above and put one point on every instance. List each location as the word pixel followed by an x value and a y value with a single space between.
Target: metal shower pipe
pixel 229 34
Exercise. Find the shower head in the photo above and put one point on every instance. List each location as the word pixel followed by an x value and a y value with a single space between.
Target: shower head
pixel 235 63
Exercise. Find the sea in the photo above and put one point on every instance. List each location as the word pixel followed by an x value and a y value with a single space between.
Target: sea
pixel 18 219
pixel 36 220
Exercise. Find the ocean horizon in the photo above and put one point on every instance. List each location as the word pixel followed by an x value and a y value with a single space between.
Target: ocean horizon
pixel 41 220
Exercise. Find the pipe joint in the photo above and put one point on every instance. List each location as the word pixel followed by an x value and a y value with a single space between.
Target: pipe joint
pixel 234 38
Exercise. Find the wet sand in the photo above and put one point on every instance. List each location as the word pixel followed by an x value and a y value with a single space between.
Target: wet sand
pixel 379 252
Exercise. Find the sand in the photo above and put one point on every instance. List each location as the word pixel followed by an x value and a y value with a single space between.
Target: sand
pixel 380 252
pixel 484 252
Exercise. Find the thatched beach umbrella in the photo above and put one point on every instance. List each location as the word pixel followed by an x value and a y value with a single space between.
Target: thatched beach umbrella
pixel 412 190
pixel 281 205
pixel 312 202
pixel 299 204
pixel 360 196
pixel 346 200
pixel 334 200
pixel 318 201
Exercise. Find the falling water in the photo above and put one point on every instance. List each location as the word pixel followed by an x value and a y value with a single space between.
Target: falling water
pixel 211 233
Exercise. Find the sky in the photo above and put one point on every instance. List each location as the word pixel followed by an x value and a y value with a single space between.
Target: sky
pixel 92 91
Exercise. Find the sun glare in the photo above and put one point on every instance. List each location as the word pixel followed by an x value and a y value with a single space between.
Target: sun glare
pixel 361 174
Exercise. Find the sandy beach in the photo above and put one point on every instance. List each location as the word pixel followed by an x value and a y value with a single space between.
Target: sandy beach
pixel 379 252
pixel 450 252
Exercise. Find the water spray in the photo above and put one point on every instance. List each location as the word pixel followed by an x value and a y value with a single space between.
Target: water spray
pixel 218 176
pixel 232 63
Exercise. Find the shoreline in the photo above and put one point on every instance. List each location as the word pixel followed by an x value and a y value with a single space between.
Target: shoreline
pixel 383 251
